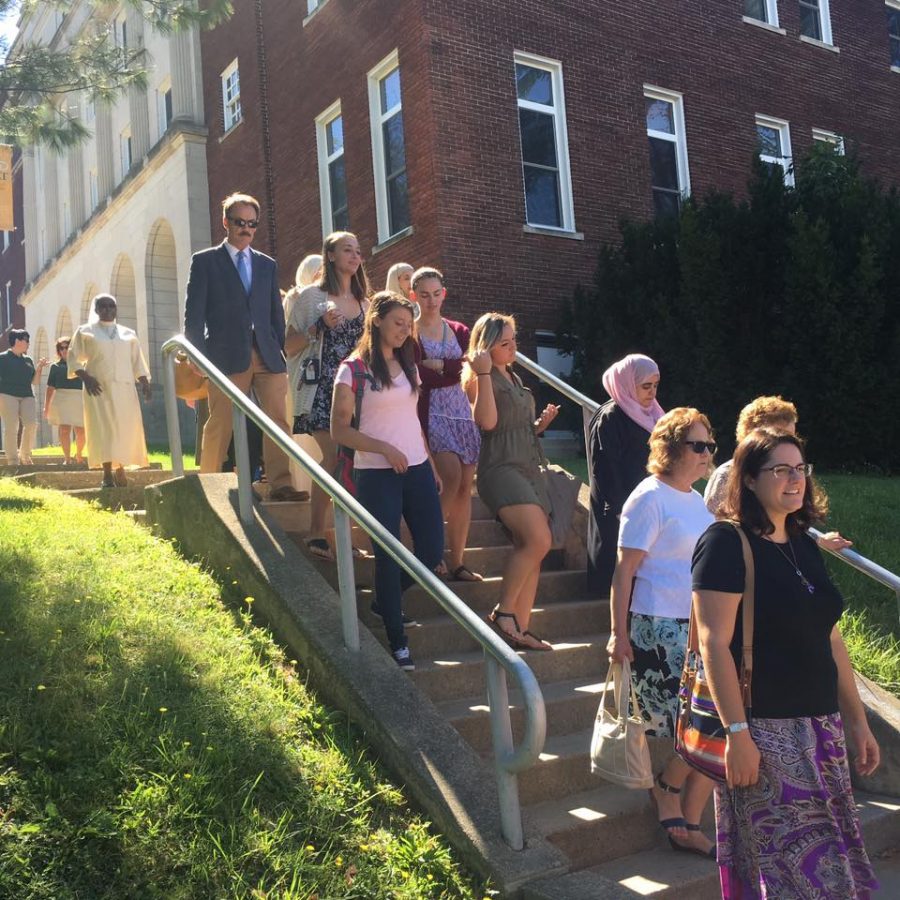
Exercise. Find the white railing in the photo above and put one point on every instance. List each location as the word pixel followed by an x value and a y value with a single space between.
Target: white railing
pixel 499 658
pixel 850 557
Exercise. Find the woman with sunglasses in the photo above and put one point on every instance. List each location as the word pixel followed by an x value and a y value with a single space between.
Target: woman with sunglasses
pixel 786 821
pixel 331 310
pixel 64 407
pixel 660 524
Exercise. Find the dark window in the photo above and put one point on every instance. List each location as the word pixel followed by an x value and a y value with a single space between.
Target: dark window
pixel 395 172
pixel 756 9
pixel 893 16
pixel 540 157
pixel 337 174
pixel 811 19
pixel 663 156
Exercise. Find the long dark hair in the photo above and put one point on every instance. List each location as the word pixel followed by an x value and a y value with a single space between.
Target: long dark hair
pixel 742 504
pixel 329 282
pixel 369 347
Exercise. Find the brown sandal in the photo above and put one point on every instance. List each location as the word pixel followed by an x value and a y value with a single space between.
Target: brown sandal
pixel 542 644
pixel 511 638
pixel 464 573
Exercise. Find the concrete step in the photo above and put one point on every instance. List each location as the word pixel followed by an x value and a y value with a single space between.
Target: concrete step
pixel 112 498
pixel 596 825
pixel 138 516
pixel 437 635
pixel 456 674
pixel 659 872
pixel 66 479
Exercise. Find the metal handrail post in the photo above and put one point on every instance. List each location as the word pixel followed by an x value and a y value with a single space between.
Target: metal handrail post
pixel 172 425
pixel 242 463
pixel 346 578
pixel 501 733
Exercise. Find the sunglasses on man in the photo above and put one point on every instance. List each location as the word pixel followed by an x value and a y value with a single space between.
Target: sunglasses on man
pixel 244 223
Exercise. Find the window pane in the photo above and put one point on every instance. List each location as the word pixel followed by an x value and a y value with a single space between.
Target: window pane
pixel 666 203
pixel 893 22
pixel 538 139
pixel 660 116
pixel 769 140
pixel 663 164
pixel 340 220
pixel 394 152
pixel 398 203
pixel 337 182
pixel 542 197
pixel 756 9
pixel 334 131
pixel 535 85
pixel 809 19
pixel 390 91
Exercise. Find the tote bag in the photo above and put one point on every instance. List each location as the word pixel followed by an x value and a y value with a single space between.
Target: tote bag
pixel 619 751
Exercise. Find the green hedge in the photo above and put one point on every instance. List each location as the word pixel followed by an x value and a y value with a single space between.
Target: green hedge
pixel 793 291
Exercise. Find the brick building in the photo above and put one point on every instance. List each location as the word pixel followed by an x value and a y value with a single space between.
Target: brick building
pixel 617 109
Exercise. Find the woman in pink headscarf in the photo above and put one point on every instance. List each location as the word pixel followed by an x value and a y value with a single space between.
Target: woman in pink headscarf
pixel 618 450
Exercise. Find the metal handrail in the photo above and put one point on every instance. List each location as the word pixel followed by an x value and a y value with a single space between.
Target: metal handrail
pixel 499 658
pixel 850 557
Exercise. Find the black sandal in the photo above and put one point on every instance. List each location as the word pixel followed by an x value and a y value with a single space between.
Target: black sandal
pixel 675 821
pixel 681 848
pixel 546 644
pixel 511 639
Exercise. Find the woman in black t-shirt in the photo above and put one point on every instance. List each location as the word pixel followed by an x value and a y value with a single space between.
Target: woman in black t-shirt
pixel 787 824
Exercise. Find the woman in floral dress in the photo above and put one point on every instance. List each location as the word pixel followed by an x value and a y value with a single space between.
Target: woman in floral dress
pixel 445 413
pixel 332 310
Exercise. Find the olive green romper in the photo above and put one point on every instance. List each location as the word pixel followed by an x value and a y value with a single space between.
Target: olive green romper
pixel 509 466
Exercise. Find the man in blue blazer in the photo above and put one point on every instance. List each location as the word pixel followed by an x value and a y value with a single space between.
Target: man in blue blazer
pixel 233 315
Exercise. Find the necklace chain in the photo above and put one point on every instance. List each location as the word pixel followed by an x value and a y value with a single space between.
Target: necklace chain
pixel 792 561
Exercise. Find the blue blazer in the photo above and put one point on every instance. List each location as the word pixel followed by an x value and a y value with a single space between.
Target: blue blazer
pixel 220 319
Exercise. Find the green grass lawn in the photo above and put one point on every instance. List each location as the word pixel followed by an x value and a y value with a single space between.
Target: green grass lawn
pixel 155 744
pixel 155 454
pixel 865 509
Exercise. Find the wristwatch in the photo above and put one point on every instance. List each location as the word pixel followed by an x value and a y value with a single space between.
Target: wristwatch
pixel 735 727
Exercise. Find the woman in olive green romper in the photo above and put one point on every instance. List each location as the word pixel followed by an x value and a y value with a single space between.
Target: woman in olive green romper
pixel 510 481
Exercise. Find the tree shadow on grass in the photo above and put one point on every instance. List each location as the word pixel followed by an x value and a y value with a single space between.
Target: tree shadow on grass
pixel 20 504
pixel 137 762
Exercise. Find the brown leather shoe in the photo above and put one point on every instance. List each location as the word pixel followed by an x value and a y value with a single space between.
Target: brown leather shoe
pixel 287 494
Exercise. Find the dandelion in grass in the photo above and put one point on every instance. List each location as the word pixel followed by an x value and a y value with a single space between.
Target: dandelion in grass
pixel 164 709
pixel 339 861
pixel 310 848
pixel 188 775
pixel 249 600
pixel 42 687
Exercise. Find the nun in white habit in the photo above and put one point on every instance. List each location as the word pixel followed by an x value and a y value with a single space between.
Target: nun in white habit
pixel 109 360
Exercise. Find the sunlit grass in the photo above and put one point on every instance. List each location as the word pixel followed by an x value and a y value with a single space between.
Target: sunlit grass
pixel 155 744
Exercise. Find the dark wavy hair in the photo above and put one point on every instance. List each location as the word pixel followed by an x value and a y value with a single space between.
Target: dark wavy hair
pixel 742 505
pixel 369 347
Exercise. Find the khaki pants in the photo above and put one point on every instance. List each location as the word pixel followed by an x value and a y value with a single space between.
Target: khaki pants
pixel 12 409
pixel 271 393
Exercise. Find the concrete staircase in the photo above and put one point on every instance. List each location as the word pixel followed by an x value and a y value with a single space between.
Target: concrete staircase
pixel 609 834
pixel 84 483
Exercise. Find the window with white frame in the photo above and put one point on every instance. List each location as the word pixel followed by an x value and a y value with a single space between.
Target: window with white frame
pixel 762 11
pixel 93 189
pixel 90 109
pixel 120 32
pixel 312 6
pixel 164 106
pixel 388 148
pixel 815 20
pixel 231 96
pixel 669 175
pixel 545 143
pixel 892 7
pixel 125 150
pixel 829 137
pixel 774 144
pixel 332 171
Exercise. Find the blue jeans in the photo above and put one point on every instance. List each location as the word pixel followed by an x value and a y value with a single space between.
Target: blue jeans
pixel 412 496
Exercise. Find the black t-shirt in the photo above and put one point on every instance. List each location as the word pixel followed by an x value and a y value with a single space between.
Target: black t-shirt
pixel 794 674
pixel 59 378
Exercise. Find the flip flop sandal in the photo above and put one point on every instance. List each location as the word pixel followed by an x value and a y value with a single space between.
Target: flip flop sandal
pixel 319 547
pixel 513 641
pixel 681 848
pixel 544 645
pixel 464 573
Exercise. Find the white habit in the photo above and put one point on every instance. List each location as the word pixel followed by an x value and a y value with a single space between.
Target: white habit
pixel 114 428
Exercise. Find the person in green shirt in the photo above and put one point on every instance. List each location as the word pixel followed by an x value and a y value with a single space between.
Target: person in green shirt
pixel 18 375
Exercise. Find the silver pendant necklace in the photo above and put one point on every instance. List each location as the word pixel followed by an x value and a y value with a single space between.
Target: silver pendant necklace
pixel 792 561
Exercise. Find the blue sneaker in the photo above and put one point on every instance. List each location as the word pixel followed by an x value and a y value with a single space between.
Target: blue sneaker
pixel 403 659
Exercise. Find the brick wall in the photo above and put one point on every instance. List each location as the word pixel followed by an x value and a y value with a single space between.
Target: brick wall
pixel 461 121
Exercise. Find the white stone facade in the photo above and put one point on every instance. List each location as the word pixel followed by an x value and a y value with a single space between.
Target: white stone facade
pixel 123 212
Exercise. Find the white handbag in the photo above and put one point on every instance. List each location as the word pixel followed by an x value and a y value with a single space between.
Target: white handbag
pixel 619 751
pixel 305 387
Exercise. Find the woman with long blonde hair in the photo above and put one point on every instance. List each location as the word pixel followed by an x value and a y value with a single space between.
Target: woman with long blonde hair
pixel 509 476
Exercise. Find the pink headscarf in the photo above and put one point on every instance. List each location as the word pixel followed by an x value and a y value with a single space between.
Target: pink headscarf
pixel 620 381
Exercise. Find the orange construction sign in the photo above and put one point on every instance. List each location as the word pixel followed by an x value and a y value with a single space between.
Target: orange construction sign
pixel 6 188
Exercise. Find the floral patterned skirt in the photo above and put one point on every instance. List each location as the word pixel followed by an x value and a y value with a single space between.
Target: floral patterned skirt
pixel 795 834
pixel 659 648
